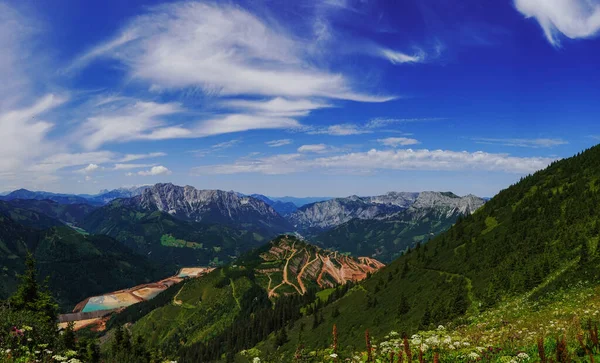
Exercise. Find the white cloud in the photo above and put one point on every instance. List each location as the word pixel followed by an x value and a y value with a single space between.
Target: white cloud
pixel 373 160
pixel 572 18
pixel 131 166
pixel 126 120
pixel 396 57
pixel 241 122
pixel 340 130
pixel 278 106
pixel 132 121
pixel 398 141
pixel 89 169
pixel 278 143
pixel 380 122
pixel 133 157
pixel 313 148
pixel 226 144
pixel 155 170
pixel 223 50
pixel 24 133
pixel 532 143
pixel 271 165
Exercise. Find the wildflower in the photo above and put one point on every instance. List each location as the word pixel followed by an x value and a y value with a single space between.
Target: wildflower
pixel 441 327
pixel 473 355
pixel 256 360
pixel 333 355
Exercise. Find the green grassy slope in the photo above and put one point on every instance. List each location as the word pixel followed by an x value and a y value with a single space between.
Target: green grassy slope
pixel 534 238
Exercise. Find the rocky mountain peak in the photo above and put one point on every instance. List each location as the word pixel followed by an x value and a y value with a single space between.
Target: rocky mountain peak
pixel 213 206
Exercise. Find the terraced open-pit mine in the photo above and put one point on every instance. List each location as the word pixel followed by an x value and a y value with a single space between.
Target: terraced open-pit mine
pixel 290 265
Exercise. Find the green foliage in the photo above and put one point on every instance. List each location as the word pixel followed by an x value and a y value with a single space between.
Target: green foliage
pixel 31 296
pixel 91 264
pixel 166 239
pixel 28 330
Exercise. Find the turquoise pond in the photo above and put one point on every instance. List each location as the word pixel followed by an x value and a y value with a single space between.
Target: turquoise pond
pixel 91 306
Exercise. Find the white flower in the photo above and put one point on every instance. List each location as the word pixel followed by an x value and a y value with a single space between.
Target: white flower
pixel 333 355
pixel 523 357
pixel 473 355
pixel 7 351
pixel 441 327
pixel 256 360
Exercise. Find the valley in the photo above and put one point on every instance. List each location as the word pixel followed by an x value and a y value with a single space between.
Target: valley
pixel 454 261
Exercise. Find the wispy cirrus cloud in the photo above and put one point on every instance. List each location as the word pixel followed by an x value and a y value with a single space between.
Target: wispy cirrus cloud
pixel 371 126
pixel 279 143
pixel 134 157
pixel 398 141
pixel 313 148
pixel 340 130
pixel 130 119
pixel 223 50
pixel 531 143
pixel 267 74
pixel 380 122
pixel 396 57
pixel 226 144
pixel 374 160
pixel 571 18
pixel 129 166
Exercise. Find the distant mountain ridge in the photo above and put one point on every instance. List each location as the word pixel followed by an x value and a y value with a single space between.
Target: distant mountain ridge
pixel 40 195
pixel 209 206
pixel 387 237
pixel 283 208
pixel 103 197
pixel 106 196
pixel 325 215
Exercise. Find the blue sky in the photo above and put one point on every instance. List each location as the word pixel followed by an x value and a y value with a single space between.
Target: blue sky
pixel 330 97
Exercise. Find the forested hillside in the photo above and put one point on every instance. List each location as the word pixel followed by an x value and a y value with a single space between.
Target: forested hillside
pixel 77 265
pixel 166 239
pixel 533 238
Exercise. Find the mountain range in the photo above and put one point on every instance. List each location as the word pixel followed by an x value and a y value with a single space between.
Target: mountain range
pixel 454 261
pixel 146 217
pixel 101 198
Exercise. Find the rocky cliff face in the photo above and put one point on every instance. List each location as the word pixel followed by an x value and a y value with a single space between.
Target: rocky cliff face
pixel 331 213
pixel 211 206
